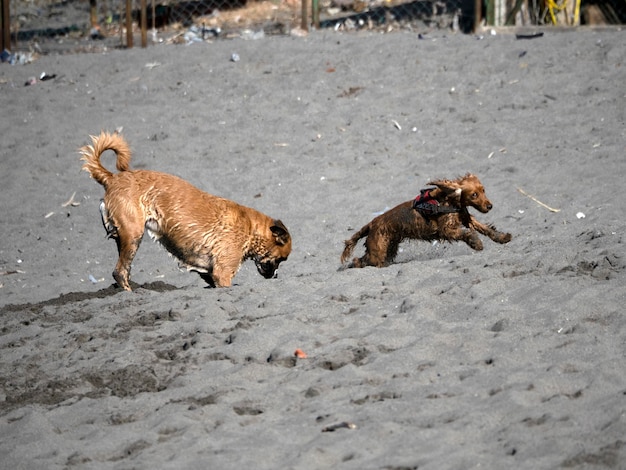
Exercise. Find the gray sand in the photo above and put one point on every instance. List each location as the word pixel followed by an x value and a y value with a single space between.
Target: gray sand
pixel 513 357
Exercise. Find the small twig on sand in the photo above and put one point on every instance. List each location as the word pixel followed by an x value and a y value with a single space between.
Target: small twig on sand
pixel 334 427
pixel 71 201
pixel 6 273
pixel 551 209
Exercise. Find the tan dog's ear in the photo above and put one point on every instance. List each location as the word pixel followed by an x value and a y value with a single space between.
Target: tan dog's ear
pixel 280 232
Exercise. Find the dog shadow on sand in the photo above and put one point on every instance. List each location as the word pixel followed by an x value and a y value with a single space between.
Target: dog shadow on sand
pixel 71 297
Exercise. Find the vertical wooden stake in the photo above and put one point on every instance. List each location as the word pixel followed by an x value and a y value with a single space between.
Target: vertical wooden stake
pixel 305 15
pixel 315 18
pixel 129 23
pixel 6 25
pixel 478 10
pixel 144 24
pixel 93 13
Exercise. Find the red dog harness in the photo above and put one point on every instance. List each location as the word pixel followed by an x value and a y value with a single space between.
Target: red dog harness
pixel 428 206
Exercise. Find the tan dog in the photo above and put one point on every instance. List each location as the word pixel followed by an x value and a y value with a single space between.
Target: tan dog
pixel 207 234
pixel 439 213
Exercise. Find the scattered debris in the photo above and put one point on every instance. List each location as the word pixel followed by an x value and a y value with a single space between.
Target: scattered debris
pixel 195 34
pixel 95 33
pixel 334 427
pixel 551 209
pixel 298 32
pixel 71 201
pixel 44 76
pixel 14 271
pixel 18 58
pixel 250 35
pixel 529 35
pixel 353 90
pixel 93 280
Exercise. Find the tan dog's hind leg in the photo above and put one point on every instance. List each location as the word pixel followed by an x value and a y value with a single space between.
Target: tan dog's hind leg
pixel 127 245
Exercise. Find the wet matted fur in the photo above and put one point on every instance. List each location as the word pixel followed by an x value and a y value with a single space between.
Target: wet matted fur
pixel 386 232
pixel 206 233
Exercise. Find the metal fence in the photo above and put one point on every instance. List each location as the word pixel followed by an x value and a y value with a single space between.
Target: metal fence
pixel 46 26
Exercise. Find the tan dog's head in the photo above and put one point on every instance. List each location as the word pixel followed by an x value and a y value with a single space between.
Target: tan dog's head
pixel 466 191
pixel 276 251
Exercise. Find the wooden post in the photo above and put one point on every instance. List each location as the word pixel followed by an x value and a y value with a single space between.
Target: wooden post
pixel 5 26
pixel 315 18
pixel 144 24
pixel 93 13
pixel 478 12
pixel 129 23
pixel 305 15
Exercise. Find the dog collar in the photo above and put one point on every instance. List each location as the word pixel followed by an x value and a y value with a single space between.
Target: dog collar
pixel 427 205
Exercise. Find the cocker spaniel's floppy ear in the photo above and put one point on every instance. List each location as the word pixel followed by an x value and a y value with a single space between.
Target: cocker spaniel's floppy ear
pixel 447 187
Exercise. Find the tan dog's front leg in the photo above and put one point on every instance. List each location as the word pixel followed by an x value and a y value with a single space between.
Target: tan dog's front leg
pixel 223 275
pixel 226 266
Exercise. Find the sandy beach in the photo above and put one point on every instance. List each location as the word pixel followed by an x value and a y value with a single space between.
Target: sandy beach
pixel 511 357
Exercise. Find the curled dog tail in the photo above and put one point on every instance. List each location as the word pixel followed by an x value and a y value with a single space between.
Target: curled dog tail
pixel 91 155
pixel 351 243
